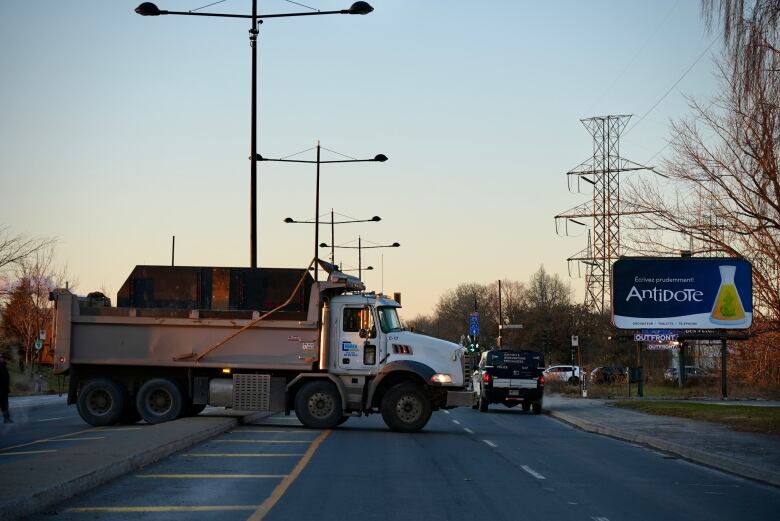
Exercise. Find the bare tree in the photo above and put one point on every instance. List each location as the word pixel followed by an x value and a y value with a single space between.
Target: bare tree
pixel 16 248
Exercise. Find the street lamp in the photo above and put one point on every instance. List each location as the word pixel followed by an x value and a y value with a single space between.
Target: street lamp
pixel 150 9
pixel 360 249
pixel 333 223
pixel 381 158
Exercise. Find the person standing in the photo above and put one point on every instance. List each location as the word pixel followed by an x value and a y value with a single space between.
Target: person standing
pixel 5 387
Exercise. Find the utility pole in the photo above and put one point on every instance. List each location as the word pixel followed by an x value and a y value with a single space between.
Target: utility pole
pixel 500 315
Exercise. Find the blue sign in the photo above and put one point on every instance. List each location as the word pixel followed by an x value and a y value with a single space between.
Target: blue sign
pixel 682 293
pixel 474 325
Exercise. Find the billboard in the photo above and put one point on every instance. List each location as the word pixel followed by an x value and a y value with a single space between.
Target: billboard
pixel 682 293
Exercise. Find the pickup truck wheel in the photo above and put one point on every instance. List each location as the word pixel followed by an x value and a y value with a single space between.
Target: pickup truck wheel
pixel 537 407
pixel 101 402
pixel 574 381
pixel 406 407
pixel 483 403
pixel 160 400
pixel 526 406
pixel 318 405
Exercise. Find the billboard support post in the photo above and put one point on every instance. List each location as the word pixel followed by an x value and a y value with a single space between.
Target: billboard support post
pixel 724 354
pixel 640 390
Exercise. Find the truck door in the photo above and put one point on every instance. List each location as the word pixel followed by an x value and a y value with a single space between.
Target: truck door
pixel 355 352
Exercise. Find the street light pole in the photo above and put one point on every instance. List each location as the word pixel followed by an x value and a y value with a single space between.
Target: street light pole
pixel 381 158
pixel 150 9
pixel 360 249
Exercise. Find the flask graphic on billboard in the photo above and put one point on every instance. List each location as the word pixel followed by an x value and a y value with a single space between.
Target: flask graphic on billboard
pixel 681 293
pixel 728 309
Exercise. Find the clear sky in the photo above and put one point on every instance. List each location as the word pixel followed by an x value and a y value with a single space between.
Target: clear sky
pixel 118 131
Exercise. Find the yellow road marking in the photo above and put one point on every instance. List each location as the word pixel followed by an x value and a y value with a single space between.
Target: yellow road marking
pixel 236 455
pixel 282 487
pixel 212 476
pixel 127 510
pixel 44 440
pixel 262 441
pixel 25 452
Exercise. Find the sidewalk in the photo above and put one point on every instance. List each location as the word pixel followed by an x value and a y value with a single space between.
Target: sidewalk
pixel 750 455
pixel 51 470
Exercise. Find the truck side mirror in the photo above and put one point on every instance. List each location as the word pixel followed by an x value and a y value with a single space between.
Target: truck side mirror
pixel 363 333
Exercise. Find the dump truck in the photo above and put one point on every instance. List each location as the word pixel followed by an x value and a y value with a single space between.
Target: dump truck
pixel 262 339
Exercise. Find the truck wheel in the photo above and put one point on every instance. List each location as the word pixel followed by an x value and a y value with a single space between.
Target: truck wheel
pixel 406 407
pixel 318 405
pixel 159 400
pixel 574 381
pixel 537 406
pixel 101 402
pixel 526 406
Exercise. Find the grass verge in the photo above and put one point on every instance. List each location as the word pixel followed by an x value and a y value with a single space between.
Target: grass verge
pixel 746 418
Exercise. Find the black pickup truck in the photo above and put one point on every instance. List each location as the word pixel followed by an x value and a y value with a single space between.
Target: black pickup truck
pixel 511 377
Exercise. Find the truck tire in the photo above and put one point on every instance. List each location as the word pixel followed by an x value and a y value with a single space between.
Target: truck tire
pixel 526 406
pixel 574 381
pixel 101 402
pixel 537 407
pixel 406 407
pixel 160 400
pixel 318 405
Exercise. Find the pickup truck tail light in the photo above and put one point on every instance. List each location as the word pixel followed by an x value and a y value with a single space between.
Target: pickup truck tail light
pixel 486 378
pixel 541 381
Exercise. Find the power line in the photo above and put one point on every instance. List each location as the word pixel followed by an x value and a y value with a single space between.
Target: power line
pixel 684 74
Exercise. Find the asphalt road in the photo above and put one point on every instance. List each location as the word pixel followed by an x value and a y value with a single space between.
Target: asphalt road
pixel 465 465
pixel 37 418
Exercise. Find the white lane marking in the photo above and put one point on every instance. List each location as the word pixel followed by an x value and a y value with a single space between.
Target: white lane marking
pixel 534 473
pixel 468 430
pixel 85 438
pixel 446 412
pixel 456 422
pixel 490 443
pixel 596 518
pixel 51 419
pixel 19 453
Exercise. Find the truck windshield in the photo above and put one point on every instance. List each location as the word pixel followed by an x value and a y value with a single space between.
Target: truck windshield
pixel 388 319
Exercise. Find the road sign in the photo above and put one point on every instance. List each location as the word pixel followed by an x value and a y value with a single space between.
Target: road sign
pixel 474 324
pixel 38 344
pixel 575 341
pixel 42 334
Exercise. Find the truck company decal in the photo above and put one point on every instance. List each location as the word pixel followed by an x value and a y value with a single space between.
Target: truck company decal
pixel 308 346
pixel 349 349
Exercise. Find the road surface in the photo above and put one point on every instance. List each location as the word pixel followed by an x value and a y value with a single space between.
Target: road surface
pixel 465 465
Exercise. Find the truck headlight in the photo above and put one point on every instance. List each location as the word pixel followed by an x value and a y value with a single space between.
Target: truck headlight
pixel 441 378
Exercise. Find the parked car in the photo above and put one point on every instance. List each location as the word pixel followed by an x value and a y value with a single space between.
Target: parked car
pixel 570 374
pixel 510 377
pixel 692 373
pixel 608 375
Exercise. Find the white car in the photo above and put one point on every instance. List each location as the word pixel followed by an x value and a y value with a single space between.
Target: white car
pixel 570 374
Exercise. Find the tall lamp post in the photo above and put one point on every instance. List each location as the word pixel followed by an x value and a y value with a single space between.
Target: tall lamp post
pixel 360 249
pixel 333 223
pixel 381 158
pixel 150 9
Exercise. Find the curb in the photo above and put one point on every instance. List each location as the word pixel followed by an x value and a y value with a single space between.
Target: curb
pixel 695 455
pixel 51 494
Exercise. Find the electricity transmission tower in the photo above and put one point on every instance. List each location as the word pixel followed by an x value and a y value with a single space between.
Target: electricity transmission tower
pixel 602 172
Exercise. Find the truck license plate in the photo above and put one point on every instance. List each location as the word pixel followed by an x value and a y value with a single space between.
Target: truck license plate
pixel 513 392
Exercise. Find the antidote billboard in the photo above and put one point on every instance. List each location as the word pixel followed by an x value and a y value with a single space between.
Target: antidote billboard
pixel 682 293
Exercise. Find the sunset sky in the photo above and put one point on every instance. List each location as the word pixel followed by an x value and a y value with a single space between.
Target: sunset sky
pixel 118 131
